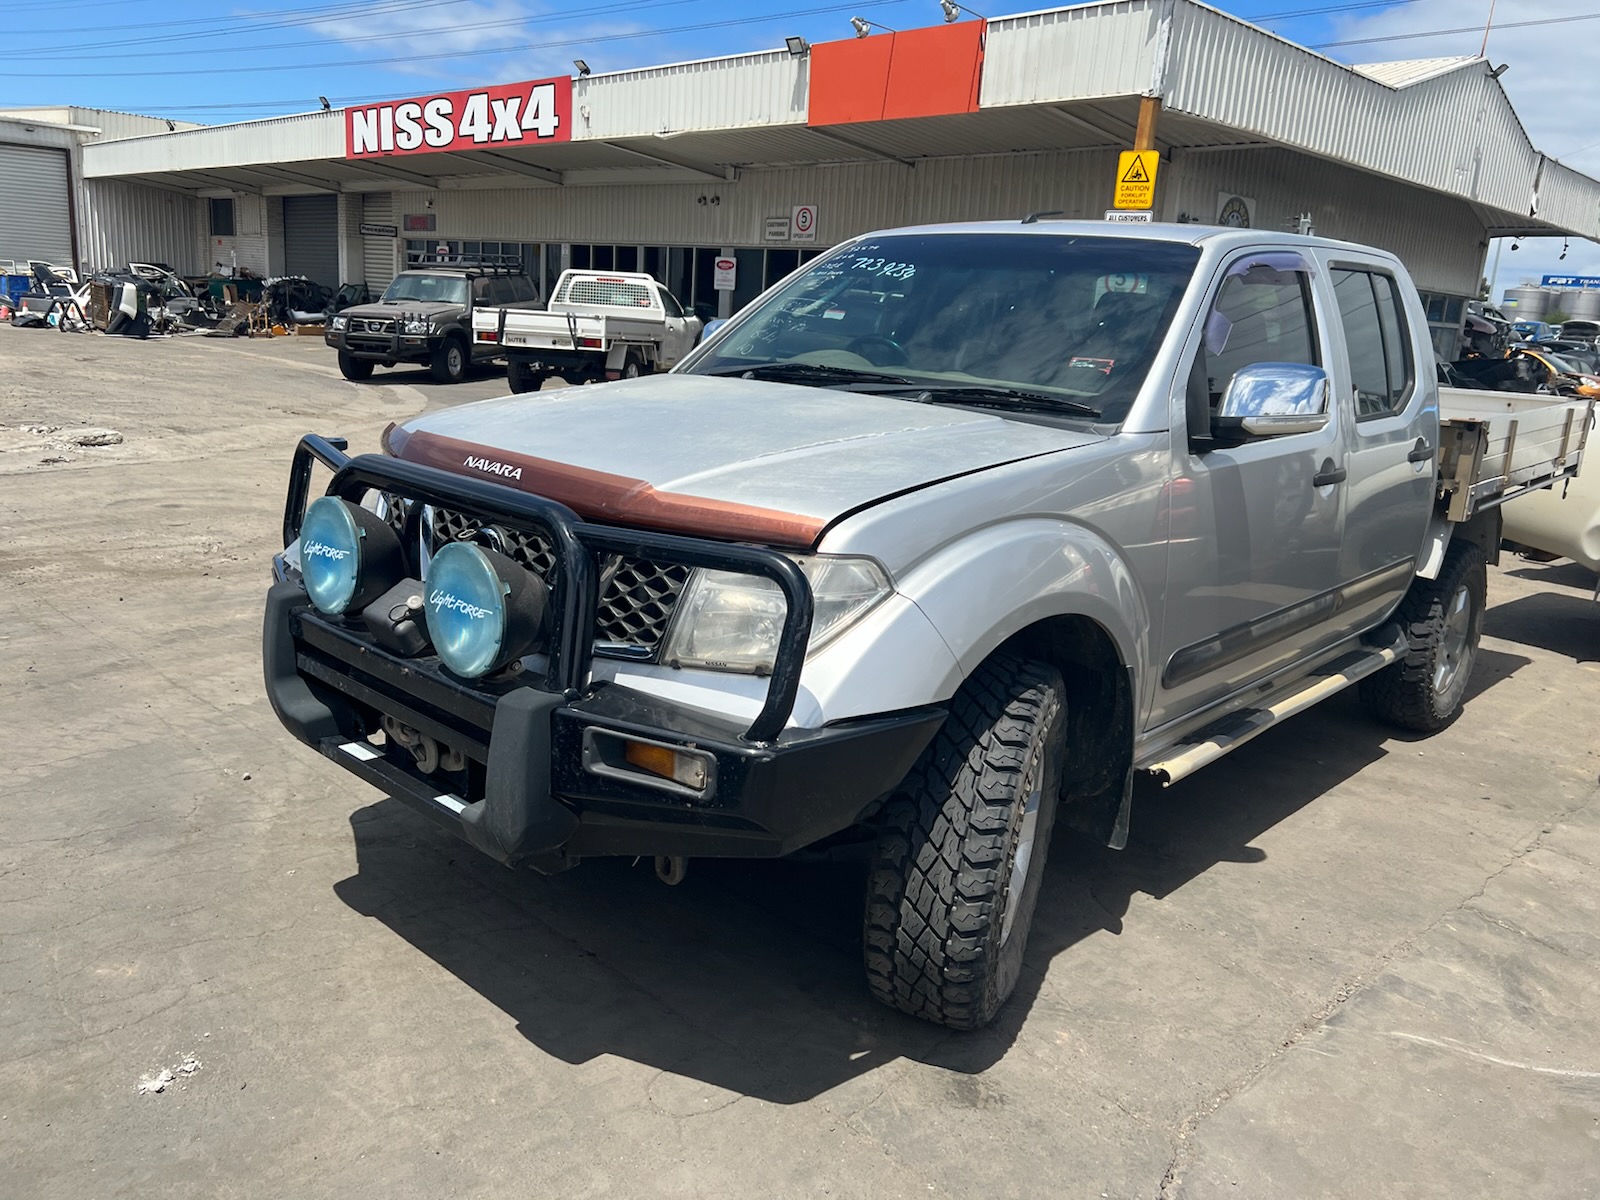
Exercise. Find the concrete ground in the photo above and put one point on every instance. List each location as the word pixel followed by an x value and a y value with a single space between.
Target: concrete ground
pixel 1337 964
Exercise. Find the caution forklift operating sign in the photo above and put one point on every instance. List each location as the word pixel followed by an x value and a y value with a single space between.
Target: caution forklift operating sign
pixel 1136 179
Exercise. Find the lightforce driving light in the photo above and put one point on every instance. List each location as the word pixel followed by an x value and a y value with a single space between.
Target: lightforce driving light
pixel 484 610
pixel 348 556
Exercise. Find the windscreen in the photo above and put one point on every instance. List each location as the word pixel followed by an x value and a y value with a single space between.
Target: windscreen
pixel 424 288
pixel 1080 318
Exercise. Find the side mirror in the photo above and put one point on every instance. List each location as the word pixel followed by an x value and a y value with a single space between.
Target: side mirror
pixel 1271 400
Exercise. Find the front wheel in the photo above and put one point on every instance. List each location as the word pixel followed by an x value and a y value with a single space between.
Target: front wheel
pixel 1443 621
pixel 956 870
pixel 354 369
pixel 449 362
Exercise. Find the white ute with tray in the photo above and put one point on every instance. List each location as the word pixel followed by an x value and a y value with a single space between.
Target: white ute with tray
pixel 599 325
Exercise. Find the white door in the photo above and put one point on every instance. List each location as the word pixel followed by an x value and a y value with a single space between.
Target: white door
pixel 681 332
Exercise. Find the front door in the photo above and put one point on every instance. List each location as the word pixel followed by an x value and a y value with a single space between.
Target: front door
pixel 1254 566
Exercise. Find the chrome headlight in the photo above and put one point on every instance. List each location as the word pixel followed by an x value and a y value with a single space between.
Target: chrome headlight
pixel 417 325
pixel 338 323
pixel 732 622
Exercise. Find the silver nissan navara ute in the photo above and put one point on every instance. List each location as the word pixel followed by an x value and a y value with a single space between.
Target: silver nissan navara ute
pixel 945 539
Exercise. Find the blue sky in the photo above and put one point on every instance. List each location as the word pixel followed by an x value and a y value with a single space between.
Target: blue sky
pixel 220 62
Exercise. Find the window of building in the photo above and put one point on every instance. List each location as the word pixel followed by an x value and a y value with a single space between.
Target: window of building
pixel 222 224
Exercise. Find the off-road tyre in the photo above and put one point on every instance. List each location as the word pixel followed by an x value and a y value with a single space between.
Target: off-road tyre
pixel 936 942
pixel 449 361
pixel 1424 691
pixel 523 378
pixel 354 369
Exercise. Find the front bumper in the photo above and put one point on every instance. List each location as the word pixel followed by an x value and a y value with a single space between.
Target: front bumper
pixel 385 349
pixel 529 794
pixel 530 783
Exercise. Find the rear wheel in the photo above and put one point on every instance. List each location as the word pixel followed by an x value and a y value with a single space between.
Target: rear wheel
pixel 956 871
pixel 353 368
pixel 449 362
pixel 1443 623
pixel 632 367
pixel 522 377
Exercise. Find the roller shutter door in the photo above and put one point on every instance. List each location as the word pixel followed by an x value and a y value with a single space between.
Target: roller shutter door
pixel 378 252
pixel 311 238
pixel 35 206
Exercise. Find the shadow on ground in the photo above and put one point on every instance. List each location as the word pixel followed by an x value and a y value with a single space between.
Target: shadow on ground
pixel 747 977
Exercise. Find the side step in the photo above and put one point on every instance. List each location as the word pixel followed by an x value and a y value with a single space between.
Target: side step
pixel 1212 742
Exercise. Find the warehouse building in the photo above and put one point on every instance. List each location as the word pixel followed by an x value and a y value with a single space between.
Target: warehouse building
pixel 769 158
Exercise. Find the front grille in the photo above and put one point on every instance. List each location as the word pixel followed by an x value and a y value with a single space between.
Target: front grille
pixel 637 595
pixel 396 509
pixel 363 326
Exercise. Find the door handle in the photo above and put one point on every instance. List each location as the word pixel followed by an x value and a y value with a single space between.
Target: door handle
pixel 1328 474
pixel 1421 452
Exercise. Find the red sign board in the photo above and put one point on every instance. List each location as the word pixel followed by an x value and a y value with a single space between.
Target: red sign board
pixel 508 114
pixel 914 73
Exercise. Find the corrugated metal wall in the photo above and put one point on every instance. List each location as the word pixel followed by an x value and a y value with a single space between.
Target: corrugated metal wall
pixel 1442 244
pixel 125 221
pixel 1456 132
pixel 280 139
pixel 851 198
pixel 377 254
pixel 1074 53
pixel 718 93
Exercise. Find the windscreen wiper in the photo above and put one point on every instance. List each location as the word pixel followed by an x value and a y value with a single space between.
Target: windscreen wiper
pixel 985 395
pixel 795 372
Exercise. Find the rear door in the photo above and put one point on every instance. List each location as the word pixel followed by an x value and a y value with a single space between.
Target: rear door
pixel 1392 444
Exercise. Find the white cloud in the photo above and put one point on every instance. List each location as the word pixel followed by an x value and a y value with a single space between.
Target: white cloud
pixel 1550 80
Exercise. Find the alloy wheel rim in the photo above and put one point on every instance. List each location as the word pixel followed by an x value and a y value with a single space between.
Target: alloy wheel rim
pixel 1455 648
pixel 1022 857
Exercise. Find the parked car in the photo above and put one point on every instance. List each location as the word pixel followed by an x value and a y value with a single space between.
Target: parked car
pixel 1586 332
pixel 599 325
pixel 425 316
pixel 954 534
pixel 1534 331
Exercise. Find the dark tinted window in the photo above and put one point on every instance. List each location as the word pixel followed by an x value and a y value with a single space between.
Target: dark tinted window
pixel 670 303
pixel 222 218
pixel 1262 314
pixel 1375 339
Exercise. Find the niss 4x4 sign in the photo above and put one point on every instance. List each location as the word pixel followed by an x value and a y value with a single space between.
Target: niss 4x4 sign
pixel 507 114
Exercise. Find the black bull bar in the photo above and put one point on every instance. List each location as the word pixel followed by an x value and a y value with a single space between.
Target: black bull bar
pixel 575 542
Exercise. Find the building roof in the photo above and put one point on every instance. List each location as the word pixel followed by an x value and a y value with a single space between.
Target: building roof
pixel 1061 79
pixel 1407 71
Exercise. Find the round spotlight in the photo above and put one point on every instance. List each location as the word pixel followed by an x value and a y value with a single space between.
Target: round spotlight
pixel 484 610
pixel 348 556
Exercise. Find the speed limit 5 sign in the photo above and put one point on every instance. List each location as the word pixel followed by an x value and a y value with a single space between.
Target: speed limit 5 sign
pixel 803 223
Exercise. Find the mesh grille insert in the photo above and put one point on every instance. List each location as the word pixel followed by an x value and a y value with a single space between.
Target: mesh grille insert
pixel 637 596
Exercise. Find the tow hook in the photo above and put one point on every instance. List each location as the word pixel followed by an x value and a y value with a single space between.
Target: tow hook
pixel 671 868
